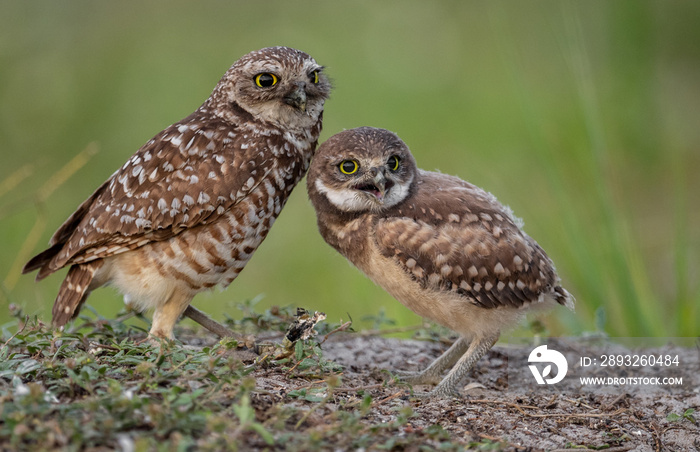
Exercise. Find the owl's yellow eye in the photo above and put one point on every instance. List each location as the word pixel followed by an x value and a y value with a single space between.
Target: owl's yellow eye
pixel 265 80
pixel 393 163
pixel 314 77
pixel 348 166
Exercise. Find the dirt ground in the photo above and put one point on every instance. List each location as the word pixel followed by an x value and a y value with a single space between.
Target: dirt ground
pixel 492 415
pixel 105 385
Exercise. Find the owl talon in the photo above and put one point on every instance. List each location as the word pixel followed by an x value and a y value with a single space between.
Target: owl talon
pixel 158 341
pixel 155 341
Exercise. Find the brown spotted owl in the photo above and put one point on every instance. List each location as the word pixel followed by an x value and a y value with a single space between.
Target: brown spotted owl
pixel 443 247
pixel 188 210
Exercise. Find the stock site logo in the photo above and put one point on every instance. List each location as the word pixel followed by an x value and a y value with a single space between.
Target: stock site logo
pixel 542 355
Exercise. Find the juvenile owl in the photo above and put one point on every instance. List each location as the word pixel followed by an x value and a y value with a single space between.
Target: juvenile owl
pixel 188 210
pixel 444 248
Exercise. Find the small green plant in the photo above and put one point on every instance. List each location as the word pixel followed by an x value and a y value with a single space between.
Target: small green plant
pixel 94 387
pixel 433 332
pixel 275 318
pixel 379 320
pixel 687 415
pixel 488 444
pixel 246 416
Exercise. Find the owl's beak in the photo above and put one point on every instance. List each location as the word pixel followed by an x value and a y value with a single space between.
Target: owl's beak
pixel 380 183
pixel 378 186
pixel 297 98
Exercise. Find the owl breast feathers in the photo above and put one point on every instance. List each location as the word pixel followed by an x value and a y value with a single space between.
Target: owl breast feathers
pixel 188 209
pixel 441 246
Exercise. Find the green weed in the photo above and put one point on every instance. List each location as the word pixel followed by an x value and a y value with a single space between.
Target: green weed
pixel 688 415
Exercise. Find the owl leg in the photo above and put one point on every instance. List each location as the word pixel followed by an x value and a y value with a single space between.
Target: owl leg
pixel 165 316
pixel 477 349
pixel 211 324
pixel 433 373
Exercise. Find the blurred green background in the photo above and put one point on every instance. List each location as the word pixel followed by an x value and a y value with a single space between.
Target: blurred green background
pixel 584 117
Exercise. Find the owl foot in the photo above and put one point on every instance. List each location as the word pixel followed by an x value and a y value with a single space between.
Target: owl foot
pixel 155 341
pixel 448 386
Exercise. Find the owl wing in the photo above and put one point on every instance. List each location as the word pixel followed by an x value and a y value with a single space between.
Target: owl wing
pixel 187 175
pixel 453 236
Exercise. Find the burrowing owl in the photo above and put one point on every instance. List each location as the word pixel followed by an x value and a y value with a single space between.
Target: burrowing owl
pixel 188 210
pixel 441 246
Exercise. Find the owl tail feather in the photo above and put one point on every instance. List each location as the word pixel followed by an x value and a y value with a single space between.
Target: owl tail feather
pixel 41 261
pixel 564 298
pixel 73 292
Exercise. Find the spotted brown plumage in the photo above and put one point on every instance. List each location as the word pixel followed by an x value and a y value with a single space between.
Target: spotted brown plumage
pixel 187 210
pixel 445 248
pixel 466 243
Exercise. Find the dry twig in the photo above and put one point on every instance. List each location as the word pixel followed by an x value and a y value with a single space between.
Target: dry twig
pixel 342 327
